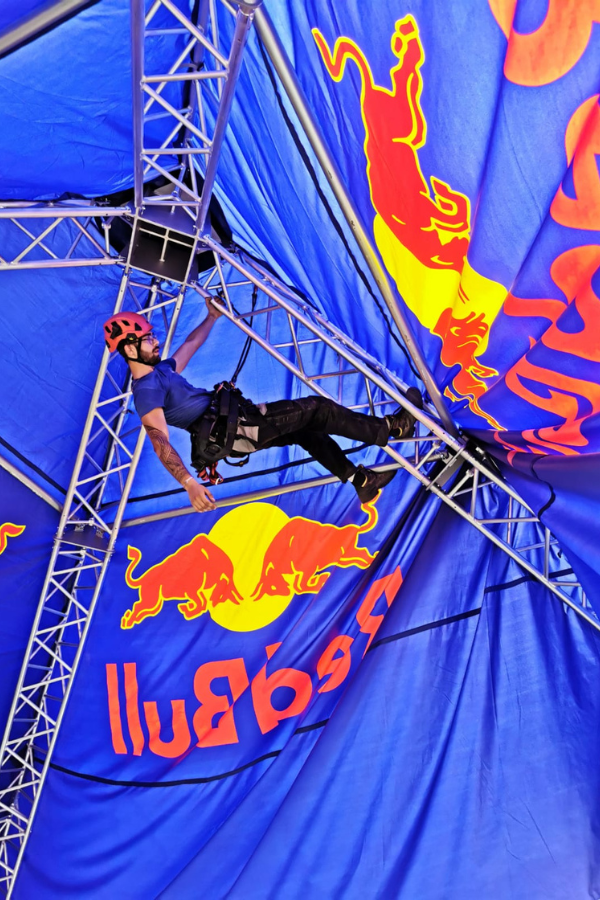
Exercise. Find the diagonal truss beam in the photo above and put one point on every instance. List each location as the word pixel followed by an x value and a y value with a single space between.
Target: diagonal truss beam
pixel 464 480
pixel 297 98
pixel 279 321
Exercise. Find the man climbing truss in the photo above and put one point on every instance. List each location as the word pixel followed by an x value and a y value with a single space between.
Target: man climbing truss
pixel 162 397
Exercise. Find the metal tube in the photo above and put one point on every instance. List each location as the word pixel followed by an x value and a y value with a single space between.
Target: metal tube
pixel 195 32
pixel 49 211
pixel 175 113
pixel 251 497
pixel 137 72
pixel 85 233
pixel 61 263
pixel 40 492
pixel 32 25
pixel 182 76
pixel 243 24
pixel 298 100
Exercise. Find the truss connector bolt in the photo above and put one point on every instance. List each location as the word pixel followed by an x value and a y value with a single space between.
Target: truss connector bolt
pixel 248 7
pixel 451 462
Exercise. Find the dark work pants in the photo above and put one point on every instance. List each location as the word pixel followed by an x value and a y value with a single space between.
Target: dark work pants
pixel 309 421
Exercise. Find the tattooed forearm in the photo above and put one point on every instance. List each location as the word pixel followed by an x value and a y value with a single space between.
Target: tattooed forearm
pixel 168 456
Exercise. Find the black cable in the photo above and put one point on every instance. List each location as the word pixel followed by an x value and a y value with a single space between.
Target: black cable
pixel 248 344
pixel 272 471
pixel 32 466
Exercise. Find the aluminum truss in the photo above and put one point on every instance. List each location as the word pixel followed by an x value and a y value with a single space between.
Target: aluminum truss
pixel 179 122
pixel 462 477
pixel 180 116
pixel 54 236
pixel 108 454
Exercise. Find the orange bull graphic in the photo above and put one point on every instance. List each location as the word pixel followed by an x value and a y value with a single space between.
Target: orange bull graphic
pixel 565 395
pixel 433 224
pixel 199 573
pixel 9 530
pixel 422 226
pixel 273 558
pixel 582 145
pixel 551 50
pixel 303 549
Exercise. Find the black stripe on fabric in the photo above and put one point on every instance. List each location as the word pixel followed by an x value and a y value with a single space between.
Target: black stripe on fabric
pixel 151 784
pixel 552 498
pixel 289 465
pixel 310 169
pixel 157 784
pixel 32 466
pixel 304 728
pixel 428 627
pixel 523 579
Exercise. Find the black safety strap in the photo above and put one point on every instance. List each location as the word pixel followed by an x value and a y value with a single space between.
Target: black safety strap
pixel 214 436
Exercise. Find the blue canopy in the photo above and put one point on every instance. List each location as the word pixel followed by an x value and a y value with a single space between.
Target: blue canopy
pixel 423 723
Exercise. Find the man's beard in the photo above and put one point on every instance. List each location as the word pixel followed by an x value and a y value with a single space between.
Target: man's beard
pixel 149 357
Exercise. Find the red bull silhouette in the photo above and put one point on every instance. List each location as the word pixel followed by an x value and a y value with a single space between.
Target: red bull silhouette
pixel 298 555
pixel 433 222
pixel 422 225
pixel 9 530
pixel 199 573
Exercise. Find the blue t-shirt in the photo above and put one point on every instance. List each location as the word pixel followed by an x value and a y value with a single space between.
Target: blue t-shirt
pixel 164 387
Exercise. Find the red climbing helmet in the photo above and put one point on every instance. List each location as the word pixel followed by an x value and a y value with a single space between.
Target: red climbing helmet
pixel 125 328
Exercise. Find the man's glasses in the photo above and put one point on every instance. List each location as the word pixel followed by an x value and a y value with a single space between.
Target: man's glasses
pixel 150 337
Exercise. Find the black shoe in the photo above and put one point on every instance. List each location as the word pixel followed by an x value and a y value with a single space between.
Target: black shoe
pixel 402 423
pixel 367 483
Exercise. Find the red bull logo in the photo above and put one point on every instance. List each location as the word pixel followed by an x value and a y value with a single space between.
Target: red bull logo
pixel 422 225
pixel 8 530
pixel 219 685
pixel 245 583
pixel 198 573
pixel 299 555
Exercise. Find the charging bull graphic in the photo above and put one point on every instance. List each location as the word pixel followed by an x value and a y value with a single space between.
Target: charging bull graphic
pixel 421 226
pixel 249 567
pixel 9 530
pixel 198 573
pixel 303 549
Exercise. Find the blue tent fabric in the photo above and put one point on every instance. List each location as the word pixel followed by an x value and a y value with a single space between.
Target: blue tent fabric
pixel 442 733
pixel 23 563
pixel 229 765
pixel 452 764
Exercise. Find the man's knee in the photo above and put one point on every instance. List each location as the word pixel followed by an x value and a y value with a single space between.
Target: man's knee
pixel 320 408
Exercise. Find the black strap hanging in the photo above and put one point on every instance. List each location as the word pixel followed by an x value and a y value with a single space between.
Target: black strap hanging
pixel 247 345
